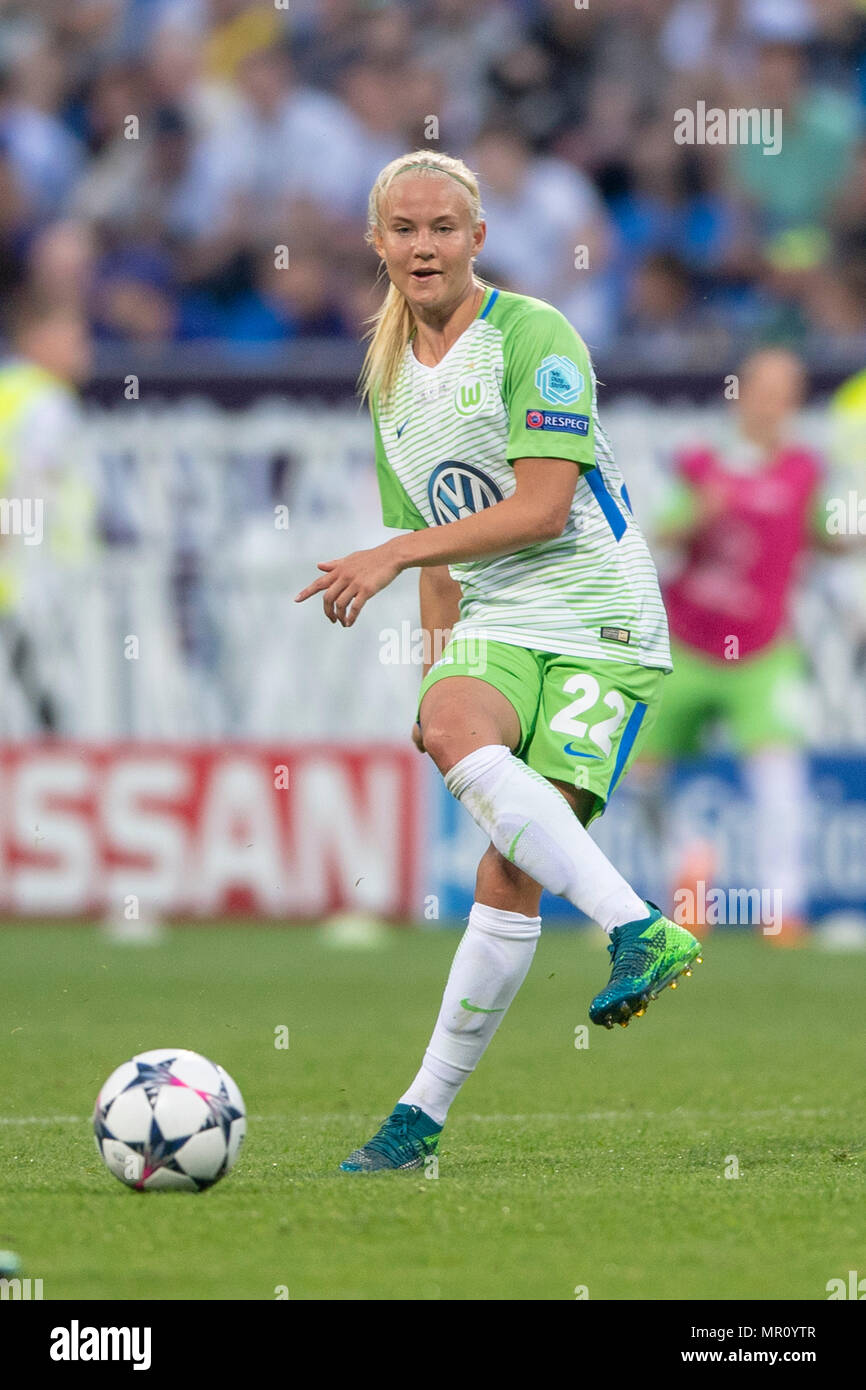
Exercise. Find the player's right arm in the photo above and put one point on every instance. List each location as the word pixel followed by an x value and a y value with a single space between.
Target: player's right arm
pixel 688 504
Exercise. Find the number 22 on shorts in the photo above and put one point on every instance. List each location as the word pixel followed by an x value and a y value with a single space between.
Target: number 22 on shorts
pixel 566 721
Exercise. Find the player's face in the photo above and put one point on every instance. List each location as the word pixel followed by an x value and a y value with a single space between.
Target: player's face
pixel 771 389
pixel 62 344
pixel 428 241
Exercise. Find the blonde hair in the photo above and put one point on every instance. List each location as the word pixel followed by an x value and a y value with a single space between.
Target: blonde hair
pixel 393 323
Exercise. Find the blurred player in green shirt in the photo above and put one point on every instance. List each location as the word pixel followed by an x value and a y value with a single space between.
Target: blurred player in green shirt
pixel 40 481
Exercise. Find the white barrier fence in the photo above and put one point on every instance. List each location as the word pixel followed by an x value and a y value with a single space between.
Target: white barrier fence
pixel 183 625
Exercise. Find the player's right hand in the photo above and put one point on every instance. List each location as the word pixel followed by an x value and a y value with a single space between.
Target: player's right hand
pixel 418 738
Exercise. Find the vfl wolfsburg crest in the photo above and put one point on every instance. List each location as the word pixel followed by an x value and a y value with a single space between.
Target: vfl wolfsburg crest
pixel 457 489
pixel 558 380
pixel 470 395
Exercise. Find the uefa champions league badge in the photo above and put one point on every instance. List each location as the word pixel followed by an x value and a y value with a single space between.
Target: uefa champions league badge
pixel 558 380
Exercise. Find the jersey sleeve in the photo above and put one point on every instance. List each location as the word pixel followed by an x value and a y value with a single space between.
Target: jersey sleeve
pixel 547 387
pixel 398 509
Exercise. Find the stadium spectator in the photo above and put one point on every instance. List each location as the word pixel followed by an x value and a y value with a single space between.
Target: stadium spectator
pixel 328 38
pixel 165 186
pixel 603 142
pixel 16 219
pixel 548 230
pixel 835 305
pixel 173 72
pixel 235 30
pixel 286 303
pixel 795 187
pixel 463 43
pixel 661 308
pixel 543 78
pixel 135 298
pixel 246 110
pixel 847 218
pixel 665 209
pixel 288 141
pixel 45 155
pixel 699 37
pixel 382 106
pixel 62 262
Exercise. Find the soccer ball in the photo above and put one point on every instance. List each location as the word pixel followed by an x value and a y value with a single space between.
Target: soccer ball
pixel 169 1119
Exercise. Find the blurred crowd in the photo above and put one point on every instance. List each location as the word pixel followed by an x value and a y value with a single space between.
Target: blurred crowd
pixel 155 153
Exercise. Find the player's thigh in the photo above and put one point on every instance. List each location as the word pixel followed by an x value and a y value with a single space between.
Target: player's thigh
pixel 689 699
pixel 478 693
pixel 591 721
pixel 767 704
pixel 461 714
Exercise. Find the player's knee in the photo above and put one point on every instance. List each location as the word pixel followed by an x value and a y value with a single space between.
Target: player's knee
pixel 443 743
pixel 450 740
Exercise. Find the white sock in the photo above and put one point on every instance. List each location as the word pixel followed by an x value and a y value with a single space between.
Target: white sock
pixel 534 827
pixel 489 966
pixel 779 783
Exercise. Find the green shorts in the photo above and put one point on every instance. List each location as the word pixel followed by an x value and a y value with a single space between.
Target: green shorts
pixel 760 699
pixel 582 721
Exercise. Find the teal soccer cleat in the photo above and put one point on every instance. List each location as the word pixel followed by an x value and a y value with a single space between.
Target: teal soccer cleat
pixel 405 1140
pixel 647 956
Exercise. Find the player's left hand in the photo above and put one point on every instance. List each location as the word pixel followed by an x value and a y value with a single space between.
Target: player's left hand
pixel 347 584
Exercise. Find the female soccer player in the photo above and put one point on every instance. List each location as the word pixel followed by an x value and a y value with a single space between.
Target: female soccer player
pixel 490 454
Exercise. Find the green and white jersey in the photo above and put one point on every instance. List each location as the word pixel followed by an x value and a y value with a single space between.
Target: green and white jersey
pixel 518 383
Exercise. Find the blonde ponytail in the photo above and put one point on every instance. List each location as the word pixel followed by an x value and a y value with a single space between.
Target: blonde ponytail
pixel 392 325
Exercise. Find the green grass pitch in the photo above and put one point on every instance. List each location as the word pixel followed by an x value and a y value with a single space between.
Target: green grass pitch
pixel 561 1167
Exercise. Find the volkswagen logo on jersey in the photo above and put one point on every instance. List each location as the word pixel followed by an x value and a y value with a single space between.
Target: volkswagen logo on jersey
pixel 457 489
